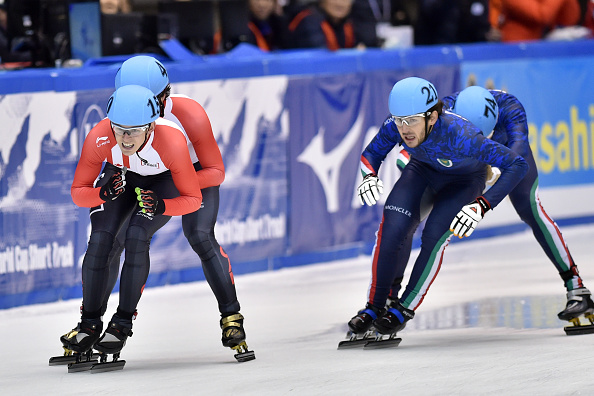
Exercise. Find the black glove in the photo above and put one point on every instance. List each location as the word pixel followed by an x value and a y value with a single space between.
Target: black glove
pixel 114 187
pixel 149 202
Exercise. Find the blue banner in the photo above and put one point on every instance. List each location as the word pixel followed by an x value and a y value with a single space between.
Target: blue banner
pixel 329 131
pixel 557 96
pixel 291 144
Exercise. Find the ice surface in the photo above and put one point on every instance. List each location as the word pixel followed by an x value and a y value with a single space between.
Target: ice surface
pixel 487 326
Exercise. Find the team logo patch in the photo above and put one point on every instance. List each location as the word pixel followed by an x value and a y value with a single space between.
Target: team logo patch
pixel 102 141
pixel 445 162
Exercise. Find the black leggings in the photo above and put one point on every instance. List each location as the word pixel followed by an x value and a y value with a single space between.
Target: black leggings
pixel 198 228
pixel 109 219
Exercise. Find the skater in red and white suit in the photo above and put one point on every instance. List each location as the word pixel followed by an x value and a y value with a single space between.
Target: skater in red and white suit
pixel 198 226
pixel 146 175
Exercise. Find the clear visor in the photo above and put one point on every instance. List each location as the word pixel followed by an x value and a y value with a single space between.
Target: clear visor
pixel 410 120
pixel 134 131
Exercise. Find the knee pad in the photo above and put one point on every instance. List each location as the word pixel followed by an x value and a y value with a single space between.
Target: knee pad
pixel 136 233
pixel 137 241
pixel 100 244
pixel 201 243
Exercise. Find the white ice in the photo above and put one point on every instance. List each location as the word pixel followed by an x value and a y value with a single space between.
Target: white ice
pixel 296 317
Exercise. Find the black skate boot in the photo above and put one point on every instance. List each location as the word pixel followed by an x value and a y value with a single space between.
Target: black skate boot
pixel 82 338
pixel 579 302
pixel 395 318
pixel 114 338
pixel 111 343
pixel 69 355
pixel 362 322
pixel 80 341
pixel 234 336
pixel 361 329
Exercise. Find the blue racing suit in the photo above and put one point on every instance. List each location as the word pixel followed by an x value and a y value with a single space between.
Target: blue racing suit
pixel 511 130
pixel 450 168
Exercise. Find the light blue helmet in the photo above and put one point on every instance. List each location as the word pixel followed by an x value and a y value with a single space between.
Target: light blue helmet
pixel 478 106
pixel 132 105
pixel 145 71
pixel 412 95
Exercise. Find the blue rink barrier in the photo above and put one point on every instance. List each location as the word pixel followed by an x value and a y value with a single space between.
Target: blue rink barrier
pixel 291 127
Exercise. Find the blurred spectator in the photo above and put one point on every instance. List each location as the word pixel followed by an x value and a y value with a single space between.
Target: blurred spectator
pixel 370 15
pixel 115 6
pixel 325 24
pixel 532 19
pixel 474 23
pixel 21 51
pixel 437 22
pixel 453 21
pixel 267 25
pixel 589 17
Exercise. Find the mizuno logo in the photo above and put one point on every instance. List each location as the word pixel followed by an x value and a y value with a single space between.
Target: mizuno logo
pixel 445 162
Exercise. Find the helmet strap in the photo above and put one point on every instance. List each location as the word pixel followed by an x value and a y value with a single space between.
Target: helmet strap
pixel 162 107
pixel 146 135
pixel 142 160
pixel 428 128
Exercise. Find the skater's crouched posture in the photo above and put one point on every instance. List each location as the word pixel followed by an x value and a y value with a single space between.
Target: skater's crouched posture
pixel 511 130
pixel 199 225
pixel 148 177
pixel 449 159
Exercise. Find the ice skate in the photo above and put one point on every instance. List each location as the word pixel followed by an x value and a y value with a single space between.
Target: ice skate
pixel 388 325
pixel 111 343
pixel 69 355
pixel 83 336
pixel 579 302
pixel 395 318
pixel 234 336
pixel 363 321
pixel 80 341
pixel 360 327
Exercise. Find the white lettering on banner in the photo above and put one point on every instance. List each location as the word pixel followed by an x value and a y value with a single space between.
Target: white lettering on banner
pixel 327 166
pixel 251 230
pixel 34 257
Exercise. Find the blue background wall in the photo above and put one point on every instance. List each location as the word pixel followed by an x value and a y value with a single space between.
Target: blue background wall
pixel 291 128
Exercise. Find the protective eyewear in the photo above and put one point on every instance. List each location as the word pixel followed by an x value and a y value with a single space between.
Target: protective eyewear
pixel 410 120
pixel 131 131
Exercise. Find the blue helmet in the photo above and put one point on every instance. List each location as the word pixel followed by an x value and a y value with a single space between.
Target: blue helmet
pixel 412 95
pixel 132 105
pixel 145 71
pixel 478 106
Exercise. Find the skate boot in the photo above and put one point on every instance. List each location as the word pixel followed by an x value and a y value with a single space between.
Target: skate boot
pixel 579 302
pixel 80 341
pixel 361 330
pixel 82 338
pixel 395 318
pixel 114 338
pixel 69 355
pixel 362 322
pixel 234 336
pixel 111 343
